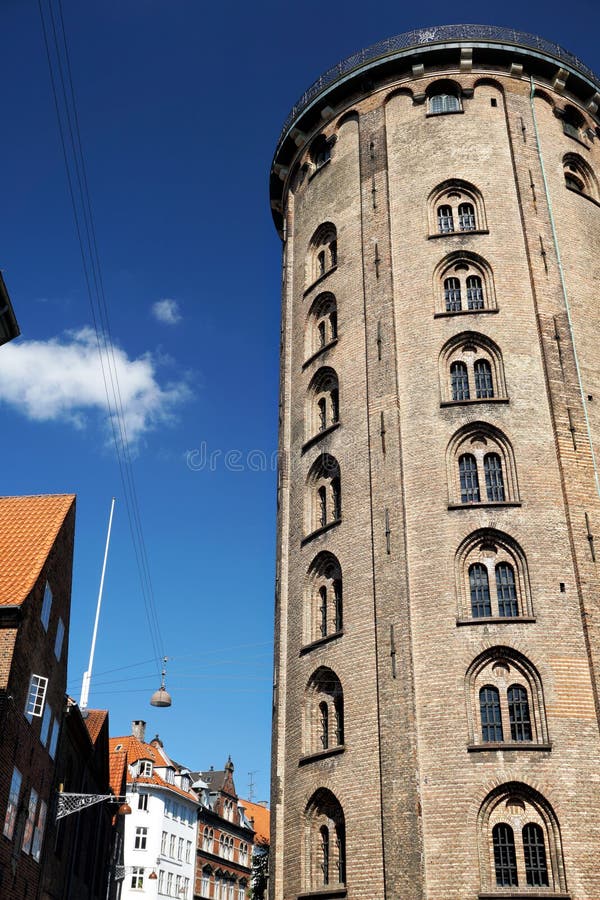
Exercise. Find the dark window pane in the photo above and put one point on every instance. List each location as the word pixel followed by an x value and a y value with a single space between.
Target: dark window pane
pixel 443 103
pixel 491 719
pixel 333 253
pixel 466 217
pixel 474 292
pixel 536 868
pixel 340 840
pixel 324 725
pixel 518 711
pixel 452 294
pixel 445 219
pixel 469 482
pixel 323 611
pixel 322 409
pixel 459 381
pixel 505 859
pixel 506 590
pixel 480 591
pixel 494 482
pixel 325 854
pixel 337 599
pixel 322 495
pixel 337 498
pixel 484 386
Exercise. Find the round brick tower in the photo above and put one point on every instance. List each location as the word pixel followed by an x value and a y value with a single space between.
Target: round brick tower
pixel 437 660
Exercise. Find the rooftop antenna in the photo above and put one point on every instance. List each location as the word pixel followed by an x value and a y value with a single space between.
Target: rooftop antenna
pixel 251 784
pixel 87 675
pixel 161 697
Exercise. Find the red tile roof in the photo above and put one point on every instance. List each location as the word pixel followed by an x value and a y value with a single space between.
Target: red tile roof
pixel 28 529
pixel 117 763
pixel 135 750
pixel 261 817
pixel 94 721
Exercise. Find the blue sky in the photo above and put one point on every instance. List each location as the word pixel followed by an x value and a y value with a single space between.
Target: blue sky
pixel 180 105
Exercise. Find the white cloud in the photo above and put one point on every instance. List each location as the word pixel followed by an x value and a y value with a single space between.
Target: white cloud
pixel 61 380
pixel 166 311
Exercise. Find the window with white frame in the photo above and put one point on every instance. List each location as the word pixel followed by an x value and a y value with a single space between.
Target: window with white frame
pixel 46 606
pixel 60 636
pixel 145 768
pixel 161 881
pixel 188 851
pixel 169 884
pixel 31 811
pixel 36 695
pixel 177 885
pixel 137 878
pixel 163 843
pixel 205 883
pixel 172 841
pixel 141 837
pixel 143 802
pixel 38 834
pixel 13 804
pixel 180 849
pixel 186 886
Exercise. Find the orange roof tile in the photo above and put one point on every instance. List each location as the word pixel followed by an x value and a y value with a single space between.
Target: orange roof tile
pixel 94 720
pixel 116 767
pixel 135 750
pixel 28 528
pixel 261 817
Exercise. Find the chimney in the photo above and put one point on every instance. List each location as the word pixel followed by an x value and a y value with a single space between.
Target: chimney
pixel 138 729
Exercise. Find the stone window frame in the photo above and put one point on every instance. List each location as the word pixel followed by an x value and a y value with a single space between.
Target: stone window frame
pixel 322 254
pixel 325 572
pixel 490 547
pixel 453 193
pixel 323 719
pixel 321 326
pixel 462 264
pixel 481 439
pixel 447 88
pixel 517 804
pixel 469 347
pixel 502 667
pixel 323 496
pixel 322 413
pixel 575 167
pixel 323 810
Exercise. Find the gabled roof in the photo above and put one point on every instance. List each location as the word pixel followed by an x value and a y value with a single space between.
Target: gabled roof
pixel 94 720
pixel 117 763
pixel 136 750
pixel 28 528
pixel 260 817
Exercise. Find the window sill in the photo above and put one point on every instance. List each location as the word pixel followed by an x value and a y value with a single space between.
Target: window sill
pixel 317 437
pixel 486 504
pixel 321 754
pixel 320 642
pixel 324 893
pixel 446 112
pixel 464 312
pixel 532 894
pixel 319 169
pixel 321 350
pixel 509 745
pixel 319 531
pixel 465 233
pixel 474 400
pixel 320 279
pixel 495 620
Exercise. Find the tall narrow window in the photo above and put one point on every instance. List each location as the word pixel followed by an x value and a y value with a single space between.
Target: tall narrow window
pixel 484 386
pixel 335 406
pixel 459 381
pixel 322 334
pixel 322 410
pixel 469 482
pixel 13 804
pixel 46 606
pixel 324 725
pixel 337 605
pixel 534 850
pixel 506 590
pixel 325 853
pixel 466 217
pixel 337 498
pixel 323 611
pixel 445 219
pixel 494 481
pixel 452 294
pixel 339 720
pixel 518 712
pixel 36 696
pixel 505 858
pixel 333 253
pixel 491 718
pixel 322 497
pixel 340 843
pixel 320 263
pixel 475 298
pixel 480 591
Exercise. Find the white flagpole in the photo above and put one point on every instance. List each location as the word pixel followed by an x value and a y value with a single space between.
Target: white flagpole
pixel 87 676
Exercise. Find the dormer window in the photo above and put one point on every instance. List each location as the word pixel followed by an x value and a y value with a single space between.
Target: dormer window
pixel 145 768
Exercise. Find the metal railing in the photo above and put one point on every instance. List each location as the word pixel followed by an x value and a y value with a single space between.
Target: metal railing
pixel 425 36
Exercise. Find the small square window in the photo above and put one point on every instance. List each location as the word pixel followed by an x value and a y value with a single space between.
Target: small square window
pixel 146 768
pixel 46 606
pixel 36 696
pixel 141 836
pixel 137 878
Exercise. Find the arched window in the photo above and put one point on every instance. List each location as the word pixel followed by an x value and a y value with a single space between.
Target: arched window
pixel 484 455
pixel 322 252
pixel 323 402
pixel 320 151
pixel 324 598
pixel 573 122
pixel 324 857
pixel 489 557
pixel 484 383
pixel 321 329
pixel 525 840
pixel 507 703
pixel 469 482
pixel 324 498
pixel 443 97
pixel 324 713
pixel 579 176
pixel 207 840
pixel 505 858
pixel 463 284
pixel 480 591
pixel 459 381
pixel 474 364
pixel 456 207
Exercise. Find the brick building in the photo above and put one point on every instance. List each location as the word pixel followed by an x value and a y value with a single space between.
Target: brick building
pixel 36 553
pixel 225 837
pixel 437 659
pixel 9 327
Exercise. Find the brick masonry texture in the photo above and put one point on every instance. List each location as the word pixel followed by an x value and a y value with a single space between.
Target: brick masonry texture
pixel 411 791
